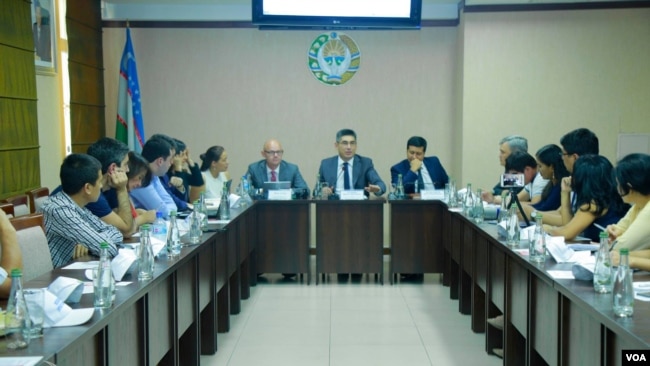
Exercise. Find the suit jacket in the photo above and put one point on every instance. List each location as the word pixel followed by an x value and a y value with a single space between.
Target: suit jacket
pixel 436 171
pixel 363 172
pixel 288 172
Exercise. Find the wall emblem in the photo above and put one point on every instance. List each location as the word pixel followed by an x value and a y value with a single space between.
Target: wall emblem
pixel 334 58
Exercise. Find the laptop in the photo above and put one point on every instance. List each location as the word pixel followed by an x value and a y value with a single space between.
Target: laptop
pixel 273 186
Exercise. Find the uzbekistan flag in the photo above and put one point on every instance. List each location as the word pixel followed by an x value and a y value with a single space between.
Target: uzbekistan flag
pixel 129 127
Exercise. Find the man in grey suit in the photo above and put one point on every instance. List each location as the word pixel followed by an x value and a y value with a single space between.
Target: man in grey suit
pixel 349 170
pixel 273 169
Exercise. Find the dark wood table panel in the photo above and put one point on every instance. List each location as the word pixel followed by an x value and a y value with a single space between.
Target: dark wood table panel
pixel 416 237
pixel 127 335
pixel 349 236
pixel 283 236
pixel 186 296
pixel 544 320
pixel 161 325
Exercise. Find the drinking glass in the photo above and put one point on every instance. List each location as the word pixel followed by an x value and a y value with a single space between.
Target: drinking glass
pixel 35 299
pixel 324 191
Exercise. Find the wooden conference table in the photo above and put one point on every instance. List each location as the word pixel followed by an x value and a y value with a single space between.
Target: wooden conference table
pixel 174 318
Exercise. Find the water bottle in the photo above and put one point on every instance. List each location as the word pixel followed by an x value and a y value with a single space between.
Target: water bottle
pixel 512 227
pixel 468 203
pixel 399 188
pixel 603 274
pixel 245 197
pixel 623 299
pixel 479 211
pixel 159 227
pixel 204 212
pixel 173 243
pixel 195 225
pixel 453 194
pixel 537 246
pixel 103 284
pixel 17 320
pixel 316 193
pixel 145 255
pixel 224 205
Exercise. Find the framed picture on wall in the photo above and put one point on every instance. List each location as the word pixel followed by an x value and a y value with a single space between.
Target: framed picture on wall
pixel 44 29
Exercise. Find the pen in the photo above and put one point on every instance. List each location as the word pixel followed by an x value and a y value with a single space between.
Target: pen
pixel 613 245
pixel 600 227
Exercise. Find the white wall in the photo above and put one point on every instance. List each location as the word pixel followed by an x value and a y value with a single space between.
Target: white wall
pixel 239 87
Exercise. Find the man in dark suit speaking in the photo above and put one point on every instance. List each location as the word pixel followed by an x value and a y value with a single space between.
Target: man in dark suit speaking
pixel 427 172
pixel 273 169
pixel 349 170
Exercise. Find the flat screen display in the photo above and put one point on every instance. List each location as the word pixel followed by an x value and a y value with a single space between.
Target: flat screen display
pixel 331 14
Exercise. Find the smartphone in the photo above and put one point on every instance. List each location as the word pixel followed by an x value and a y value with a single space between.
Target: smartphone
pixel 512 180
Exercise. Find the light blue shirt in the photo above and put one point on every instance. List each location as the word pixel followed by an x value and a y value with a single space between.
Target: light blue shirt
pixel 153 197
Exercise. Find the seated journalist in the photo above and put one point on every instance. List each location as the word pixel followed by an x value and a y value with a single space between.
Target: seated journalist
pixel 596 200
pixel 68 222
pixel 507 146
pixel 633 180
pixel 426 172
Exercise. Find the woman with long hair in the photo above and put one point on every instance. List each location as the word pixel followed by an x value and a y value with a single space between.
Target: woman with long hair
pixel 214 167
pixel 595 199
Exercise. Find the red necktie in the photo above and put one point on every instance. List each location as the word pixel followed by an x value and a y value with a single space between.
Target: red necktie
pixel 274 178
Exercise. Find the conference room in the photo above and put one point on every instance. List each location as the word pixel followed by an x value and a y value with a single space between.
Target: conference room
pixel 463 81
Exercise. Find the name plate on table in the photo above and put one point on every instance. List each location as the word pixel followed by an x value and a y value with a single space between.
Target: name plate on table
pixel 280 195
pixel 432 194
pixel 352 194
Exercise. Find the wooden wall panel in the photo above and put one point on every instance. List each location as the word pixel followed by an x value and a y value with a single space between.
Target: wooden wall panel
pixel 15 18
pixel 15 133
pixel 87 42
pixel 19 156
pixel 86 70
pixel 17 73
pixel 21 164
pixel 84 85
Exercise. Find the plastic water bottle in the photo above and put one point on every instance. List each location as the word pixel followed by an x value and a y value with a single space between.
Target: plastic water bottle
pixel 623 299
pixel 159 229
pixel 173 243
pixel 17 320
pixel 103 282
pixel 145 255
pixel 603 273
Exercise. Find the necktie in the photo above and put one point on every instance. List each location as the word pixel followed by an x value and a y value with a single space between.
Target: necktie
pixel 420 181
pixel 274 178
pixel 346 176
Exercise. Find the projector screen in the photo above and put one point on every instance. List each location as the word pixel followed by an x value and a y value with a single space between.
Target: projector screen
pixel 338 13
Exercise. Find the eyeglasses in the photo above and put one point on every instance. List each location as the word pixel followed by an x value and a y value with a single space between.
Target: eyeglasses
pixel 274 152
pixel 563 154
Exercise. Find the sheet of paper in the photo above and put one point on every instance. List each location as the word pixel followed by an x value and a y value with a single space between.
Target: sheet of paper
pixel 561 275
pixel 82 265
pixel 20 361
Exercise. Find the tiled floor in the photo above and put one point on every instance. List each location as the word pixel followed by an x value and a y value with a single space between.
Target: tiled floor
pixel 408 324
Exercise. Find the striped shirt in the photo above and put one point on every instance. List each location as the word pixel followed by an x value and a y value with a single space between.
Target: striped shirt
pixel 67 224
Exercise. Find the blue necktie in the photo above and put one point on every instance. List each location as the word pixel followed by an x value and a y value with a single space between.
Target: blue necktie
pixel 346 176
pixel 420 181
